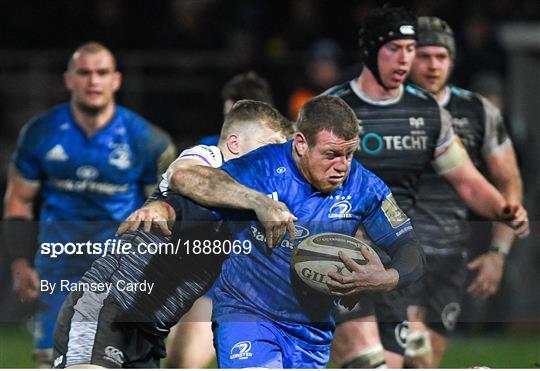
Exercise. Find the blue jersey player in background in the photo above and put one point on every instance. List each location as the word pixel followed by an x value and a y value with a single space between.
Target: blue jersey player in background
pixel 262 316
pixel 92 161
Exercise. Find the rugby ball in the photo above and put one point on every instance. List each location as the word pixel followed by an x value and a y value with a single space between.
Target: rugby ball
pixel 317 255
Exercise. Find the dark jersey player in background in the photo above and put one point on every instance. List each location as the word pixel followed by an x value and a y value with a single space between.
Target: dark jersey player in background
pixel 92 161
pixel 403 129
pixel 441 215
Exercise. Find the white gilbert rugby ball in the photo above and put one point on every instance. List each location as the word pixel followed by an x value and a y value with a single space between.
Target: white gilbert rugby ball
pixel 317 255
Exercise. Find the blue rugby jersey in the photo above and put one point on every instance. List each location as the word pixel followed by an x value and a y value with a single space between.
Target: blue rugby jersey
pixel 261 282
pixel 87 179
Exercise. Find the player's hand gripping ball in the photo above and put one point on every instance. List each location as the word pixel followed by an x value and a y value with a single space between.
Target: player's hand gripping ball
pixel 317 255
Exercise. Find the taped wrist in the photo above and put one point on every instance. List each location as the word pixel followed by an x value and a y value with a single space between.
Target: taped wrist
pixel 418 344
pixel 20 238
pixel 408 259
pixel 371 357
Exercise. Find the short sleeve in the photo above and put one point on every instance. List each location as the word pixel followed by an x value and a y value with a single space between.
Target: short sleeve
pixel 26 157
pixel 446 135
pixel 495 135
pixel 385 222
pixel 209 155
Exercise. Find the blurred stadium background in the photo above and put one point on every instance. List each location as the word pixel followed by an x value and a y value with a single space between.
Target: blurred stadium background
pixel 176 55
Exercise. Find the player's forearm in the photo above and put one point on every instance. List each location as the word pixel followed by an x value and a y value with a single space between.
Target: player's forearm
pixel 502 238
pixel 408 260
pixel 213 187
pixel 476 191
pixel 510 188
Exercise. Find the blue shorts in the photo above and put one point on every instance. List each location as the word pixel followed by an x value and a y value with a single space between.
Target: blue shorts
pixel 48 309
pixel 264 344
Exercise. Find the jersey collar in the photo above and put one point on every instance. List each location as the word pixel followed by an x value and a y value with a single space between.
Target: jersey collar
pixel 383 102
pixel 447 96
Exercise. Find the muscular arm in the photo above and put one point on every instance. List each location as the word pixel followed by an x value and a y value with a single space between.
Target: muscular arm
pixel 476 191
pixel 504 172
pixel 214 188
pixel 21 233
pixel 20 195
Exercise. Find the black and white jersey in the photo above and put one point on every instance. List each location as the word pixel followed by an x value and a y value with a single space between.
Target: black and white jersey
pixel 441 214
pixel 177 277
pixel 398 136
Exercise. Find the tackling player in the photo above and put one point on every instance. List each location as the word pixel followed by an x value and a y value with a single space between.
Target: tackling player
pixel 441 214
pixel 403 129
pixel 92 161
pixel 83 339
pixel 190 344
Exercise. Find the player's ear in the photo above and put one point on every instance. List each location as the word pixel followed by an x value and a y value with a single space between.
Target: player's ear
pixel 67 81
pixel 300 144
pixel 117 80
pixel 233 144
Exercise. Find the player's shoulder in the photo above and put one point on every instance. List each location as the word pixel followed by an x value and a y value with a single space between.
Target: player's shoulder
pixel 340 90
pixel 364 181
pixel 263 160
pixel 419 94
pixel 132 120
pixel 462 93
pixel 473 99
pixel 211 155
pixel 46 123
pixel 51 118
pixel 140 129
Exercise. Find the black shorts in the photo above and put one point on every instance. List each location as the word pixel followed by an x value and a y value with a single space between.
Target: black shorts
pixel 90 330
pixel 440 291
pixel 390 309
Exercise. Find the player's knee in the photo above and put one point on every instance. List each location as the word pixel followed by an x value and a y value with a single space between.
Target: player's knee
pixel 418 351
pixel 371 357
pixel 42 357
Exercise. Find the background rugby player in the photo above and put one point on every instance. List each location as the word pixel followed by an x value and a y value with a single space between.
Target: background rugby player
pixel 403 129
pixel 441 214
pixel 92 161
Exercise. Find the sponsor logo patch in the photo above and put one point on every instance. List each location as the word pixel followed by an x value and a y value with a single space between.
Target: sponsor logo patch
pixel 395 216
pixel 241 350
pixel 120 156
pixel 114 355
pixel 58 360
pixel 450 314
pixel 340 209
pixel 407 29
pixel 401 332
pixel 87 172
pixel 57 153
